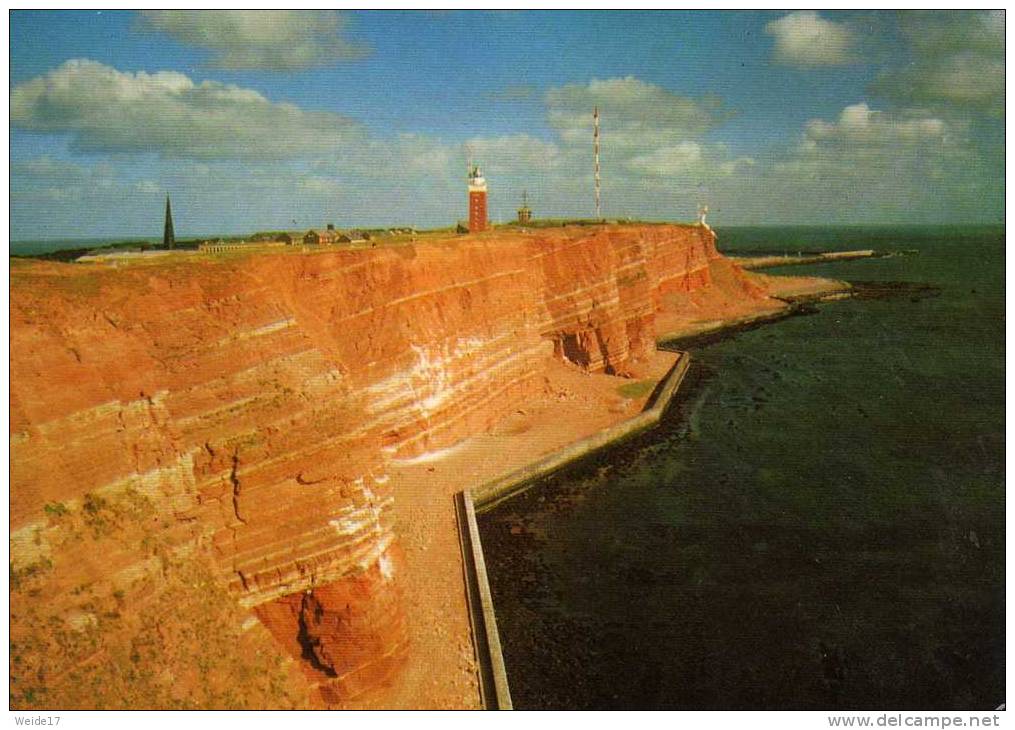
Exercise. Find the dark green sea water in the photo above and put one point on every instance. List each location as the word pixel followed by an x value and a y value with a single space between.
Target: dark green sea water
pixel 37 248
pixel 817 523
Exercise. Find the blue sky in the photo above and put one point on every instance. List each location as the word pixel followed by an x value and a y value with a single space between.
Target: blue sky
pixel 254 120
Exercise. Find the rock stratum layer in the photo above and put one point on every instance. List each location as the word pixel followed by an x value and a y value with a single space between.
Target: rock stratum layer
pixel 205 440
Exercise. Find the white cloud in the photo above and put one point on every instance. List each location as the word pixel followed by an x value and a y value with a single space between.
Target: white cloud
pixel 965 79
pixel 147 187
pixel 514 153
pixel 862 165
pixel 898 158
pixel 47 179
pixel 634 113
pixel 937 33
pixel 667 161
pixel 804 38
pixel 319 185
pixel 958 61
pixel 859 125
pixel 424 159
pixel 167 113
pixel 398 161
pixel 739 166
pixel 279 40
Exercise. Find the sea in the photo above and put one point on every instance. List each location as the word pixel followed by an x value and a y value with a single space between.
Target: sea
pixel 40 247
pixel 817 523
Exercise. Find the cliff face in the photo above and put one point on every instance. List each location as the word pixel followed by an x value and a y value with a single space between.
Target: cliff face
pixel 241 412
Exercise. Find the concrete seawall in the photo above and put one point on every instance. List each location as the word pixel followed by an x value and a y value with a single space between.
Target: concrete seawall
pixel 494 687
pixel 493 492
pixel 493 683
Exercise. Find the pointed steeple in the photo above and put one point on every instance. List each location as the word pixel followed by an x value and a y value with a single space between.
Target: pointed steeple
pixel 168 239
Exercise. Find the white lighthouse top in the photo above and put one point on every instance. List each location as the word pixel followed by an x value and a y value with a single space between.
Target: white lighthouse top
pixel 477 183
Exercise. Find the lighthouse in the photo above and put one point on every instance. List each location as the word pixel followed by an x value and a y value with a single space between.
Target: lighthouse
pixel 477 200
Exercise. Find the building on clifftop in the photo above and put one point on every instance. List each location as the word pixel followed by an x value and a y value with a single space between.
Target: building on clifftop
pixel 320 238
pixel 525 212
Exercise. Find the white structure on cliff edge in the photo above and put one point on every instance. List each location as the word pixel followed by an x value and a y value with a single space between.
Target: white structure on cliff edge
pixel 702 212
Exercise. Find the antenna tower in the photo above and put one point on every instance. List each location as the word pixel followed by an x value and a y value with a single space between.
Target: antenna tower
pixel 595 146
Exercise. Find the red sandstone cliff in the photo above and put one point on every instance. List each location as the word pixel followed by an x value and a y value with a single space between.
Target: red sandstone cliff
pixel 236 416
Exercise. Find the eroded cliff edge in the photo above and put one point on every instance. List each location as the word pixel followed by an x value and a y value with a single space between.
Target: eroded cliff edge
pixel 202 448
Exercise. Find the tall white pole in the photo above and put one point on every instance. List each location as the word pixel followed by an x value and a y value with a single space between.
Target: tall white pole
pixel 595 145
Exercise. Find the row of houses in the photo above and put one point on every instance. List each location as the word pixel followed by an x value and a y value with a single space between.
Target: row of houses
pixel 314 237
pixel 330 236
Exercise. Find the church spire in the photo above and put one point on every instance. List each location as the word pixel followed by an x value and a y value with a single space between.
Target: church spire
pixel 168 239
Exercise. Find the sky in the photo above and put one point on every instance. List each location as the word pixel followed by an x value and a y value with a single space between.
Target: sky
pixel 271 120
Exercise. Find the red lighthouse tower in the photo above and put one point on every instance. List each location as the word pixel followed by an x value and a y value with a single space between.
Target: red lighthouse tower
pixel 477 200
